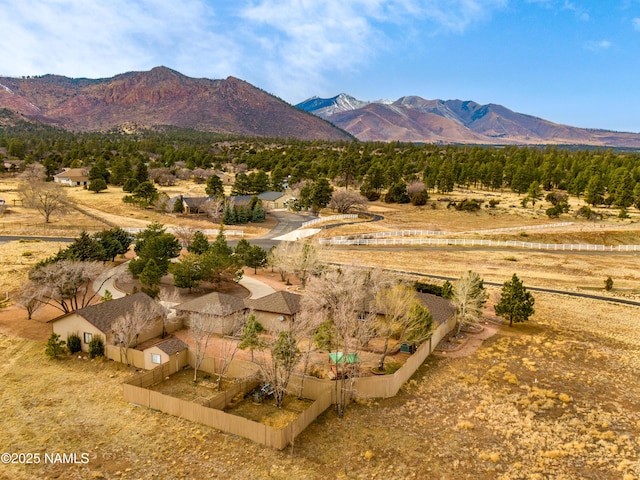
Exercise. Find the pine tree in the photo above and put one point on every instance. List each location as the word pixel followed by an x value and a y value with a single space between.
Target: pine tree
pixel 214 187
pixel 516 304
pixel 258 215
pixel 55 346
pixel 178 205
pixel 199 244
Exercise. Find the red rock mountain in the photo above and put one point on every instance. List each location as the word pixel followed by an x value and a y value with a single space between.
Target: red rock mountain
pixel 160 96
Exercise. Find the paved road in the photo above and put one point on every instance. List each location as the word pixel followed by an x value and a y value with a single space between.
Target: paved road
pixel 568 293
pixel 287 222
pixel 13 238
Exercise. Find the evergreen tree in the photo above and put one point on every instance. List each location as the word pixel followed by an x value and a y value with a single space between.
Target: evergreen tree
pixel 250 336
pixel 242 185
pixel 255 257
pixel 187 273
pixel 242 247
pixel 141 174
pixel 214 187
pixel 114 242
pixel 97 185
pixel 55 346
pixel 220 245
pixel 130 185
pixel 84 248
pixel 178 205
pixel 99 171
pixel 257 214
pixel 516 304
pixel 199 244
pixel 120 171
pixel 150 278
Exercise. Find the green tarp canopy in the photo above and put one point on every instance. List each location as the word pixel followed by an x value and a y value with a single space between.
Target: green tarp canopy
pixel 340 357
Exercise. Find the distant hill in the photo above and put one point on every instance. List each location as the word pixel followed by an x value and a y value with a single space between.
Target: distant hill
pixel 160 96
pixel 414 119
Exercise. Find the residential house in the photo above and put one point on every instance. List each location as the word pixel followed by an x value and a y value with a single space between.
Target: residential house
pixel 225 308
pixel 98 320
pixel 164 351
pixel 276 310
pixel 73 177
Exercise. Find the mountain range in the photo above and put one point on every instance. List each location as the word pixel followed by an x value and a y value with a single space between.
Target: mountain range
pixel 158 97
pixel 161 96
pixel 414 119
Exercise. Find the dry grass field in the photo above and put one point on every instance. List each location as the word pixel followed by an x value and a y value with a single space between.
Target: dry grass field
pixel 555 398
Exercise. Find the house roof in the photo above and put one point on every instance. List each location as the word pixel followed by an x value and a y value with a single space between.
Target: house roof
pixel 102 315
pixel 172 345
pixel 74 174
pixel 283 302
pixel 441 309
pixel 215 303
pixel 196 202
pixel 270 196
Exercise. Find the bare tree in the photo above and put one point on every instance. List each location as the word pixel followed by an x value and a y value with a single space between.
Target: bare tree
pixel 304 260
pixel 46 197
pixel 214 208
pixel 29 298
pixel 128 328
pixel 229 345
pixel 184 234
pixel 203 325
pixel 395 304
pixel 306 325
pixel 348 201
pixel 469 298
pixel 280 258
pixel 201 328
pixel 68 285
pixel 344 297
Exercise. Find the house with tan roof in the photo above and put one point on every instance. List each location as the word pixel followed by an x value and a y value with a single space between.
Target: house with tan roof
pixel 73 177
pixel 98 320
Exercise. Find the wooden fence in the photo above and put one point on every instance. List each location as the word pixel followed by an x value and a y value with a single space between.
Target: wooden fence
pixel 135 357
pixel 322 392
pixel 136 391
pixel 385 386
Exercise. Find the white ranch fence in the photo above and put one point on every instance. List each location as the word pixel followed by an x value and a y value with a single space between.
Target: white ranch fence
pixel 330 218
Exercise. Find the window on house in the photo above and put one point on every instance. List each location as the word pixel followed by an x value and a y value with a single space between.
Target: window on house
pixel 155 358
pixel 87 337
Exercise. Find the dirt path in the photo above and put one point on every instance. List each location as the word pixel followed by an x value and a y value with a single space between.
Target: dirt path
pixel 472 343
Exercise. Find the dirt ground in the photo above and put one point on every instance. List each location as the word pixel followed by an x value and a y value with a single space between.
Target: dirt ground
pixel 555 398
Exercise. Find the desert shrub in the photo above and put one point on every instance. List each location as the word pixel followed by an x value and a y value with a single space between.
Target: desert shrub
pixel 130 185
pixel 468 205
pixel 608 284
pixel 584 212
pixel 55 346
pixel 447 289
pixel 391 367
pixel 96 347
pixel 73 343
pixel 425 287
pixel 493 203
pixel 27 254
pixel 371 195
pixel 419 198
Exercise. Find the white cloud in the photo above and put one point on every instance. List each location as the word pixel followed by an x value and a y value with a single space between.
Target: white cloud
pixel 598 45
pixel 305 40
pixel 100 38
pixel 636 23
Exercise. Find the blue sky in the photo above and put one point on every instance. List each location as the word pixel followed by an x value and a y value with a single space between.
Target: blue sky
pixel 569 61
